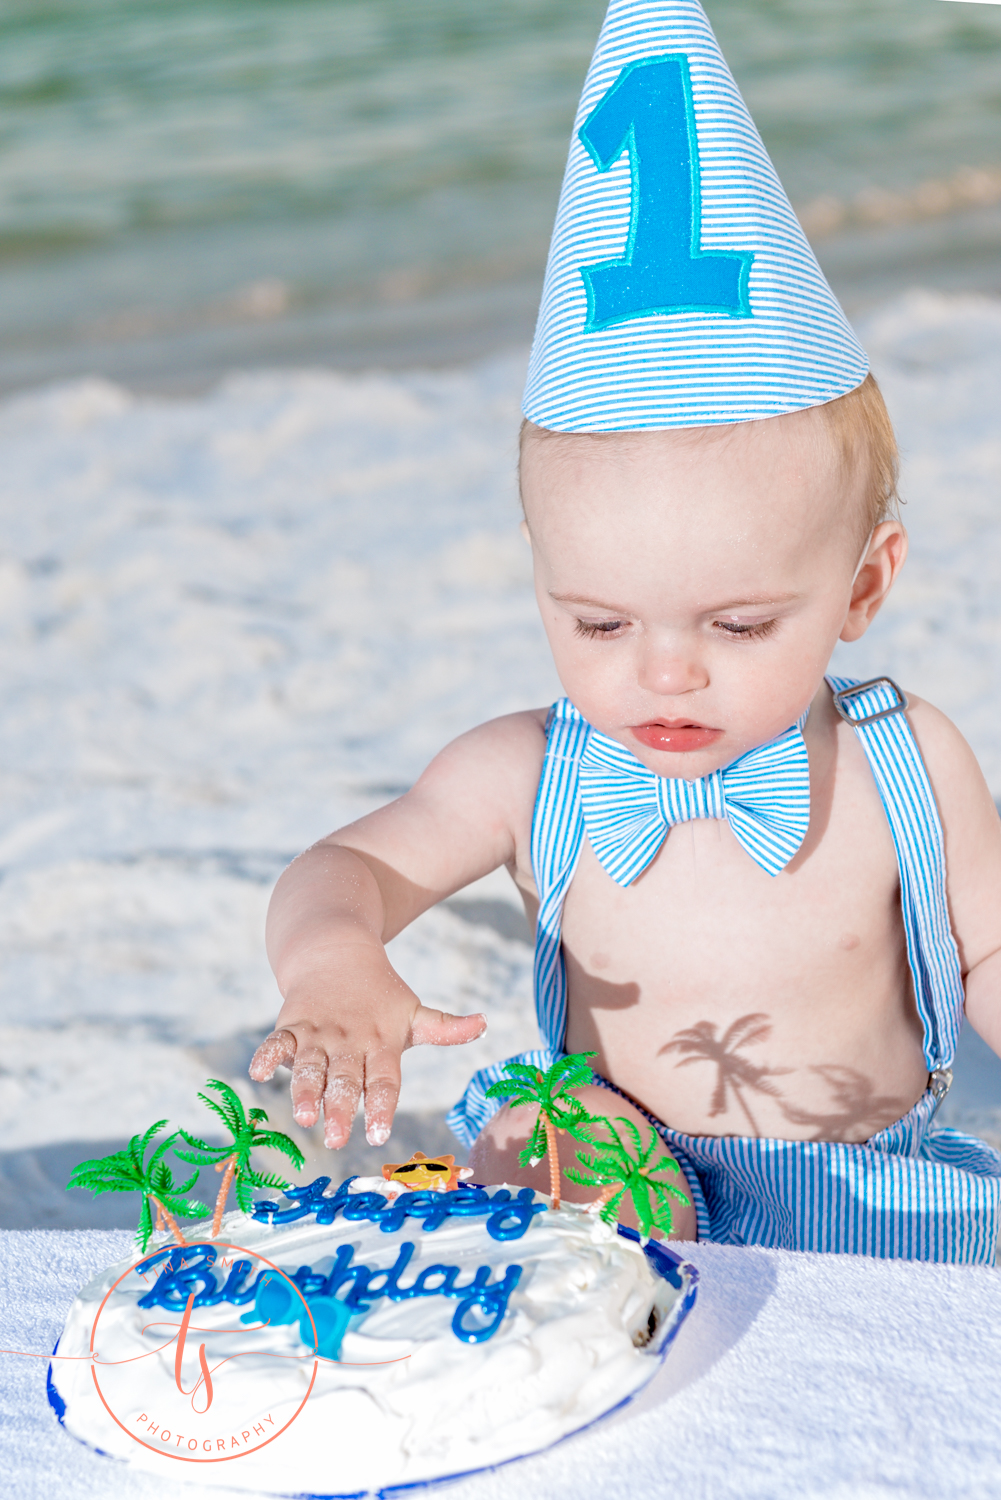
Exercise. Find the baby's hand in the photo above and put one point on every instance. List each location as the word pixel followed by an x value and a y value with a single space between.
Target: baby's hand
pixel 348 1016
pixel 339 1050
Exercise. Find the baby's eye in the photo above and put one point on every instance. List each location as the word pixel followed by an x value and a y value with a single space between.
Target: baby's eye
pixel 753 632
pixel 590 628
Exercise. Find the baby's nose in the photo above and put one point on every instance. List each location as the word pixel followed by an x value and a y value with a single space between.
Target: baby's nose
pixel 669 668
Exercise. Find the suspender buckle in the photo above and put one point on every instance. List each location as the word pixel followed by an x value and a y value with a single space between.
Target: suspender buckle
pixel 939 1083
pixel 841 698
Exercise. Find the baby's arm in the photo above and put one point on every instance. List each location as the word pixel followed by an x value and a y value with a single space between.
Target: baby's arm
pixel 972 831
pixel 347 1015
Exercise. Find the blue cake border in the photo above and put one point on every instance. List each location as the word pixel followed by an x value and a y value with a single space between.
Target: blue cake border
pixel 663 1261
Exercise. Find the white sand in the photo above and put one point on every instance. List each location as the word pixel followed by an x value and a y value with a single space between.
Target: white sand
pixel 229 624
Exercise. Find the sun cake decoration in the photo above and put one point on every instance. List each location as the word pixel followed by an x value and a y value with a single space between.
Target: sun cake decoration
pixel 436 1174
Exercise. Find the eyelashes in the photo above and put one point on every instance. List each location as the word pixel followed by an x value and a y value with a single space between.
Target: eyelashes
pixel 755 632
pixel 594 629
pixel 589 629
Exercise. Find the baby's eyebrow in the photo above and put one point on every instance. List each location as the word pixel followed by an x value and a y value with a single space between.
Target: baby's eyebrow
pixel 751 601
pixel 754 601
pixel 613 609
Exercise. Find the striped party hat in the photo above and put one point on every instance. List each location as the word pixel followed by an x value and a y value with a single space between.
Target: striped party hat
pixel 681 290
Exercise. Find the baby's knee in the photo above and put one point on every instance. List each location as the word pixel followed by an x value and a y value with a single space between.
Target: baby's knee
pixel 494 1157
pixel 494 1154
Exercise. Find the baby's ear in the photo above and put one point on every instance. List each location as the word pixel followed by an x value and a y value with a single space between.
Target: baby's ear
pixel 884 558
pixel 523 528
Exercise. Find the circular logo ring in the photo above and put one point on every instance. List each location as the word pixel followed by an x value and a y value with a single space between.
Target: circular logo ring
pixel 227 1457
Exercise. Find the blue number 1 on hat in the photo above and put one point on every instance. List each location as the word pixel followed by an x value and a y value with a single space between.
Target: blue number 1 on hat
pixel 648 111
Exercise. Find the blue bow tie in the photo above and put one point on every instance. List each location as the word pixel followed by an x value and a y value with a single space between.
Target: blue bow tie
pixel 764 796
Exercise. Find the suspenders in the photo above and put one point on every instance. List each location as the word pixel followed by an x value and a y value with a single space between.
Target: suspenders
pixel 875 710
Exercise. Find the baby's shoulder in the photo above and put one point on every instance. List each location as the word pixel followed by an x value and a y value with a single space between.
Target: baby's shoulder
pixel 518 738
pixel 950 761
pixel 965 804
pixel 498 763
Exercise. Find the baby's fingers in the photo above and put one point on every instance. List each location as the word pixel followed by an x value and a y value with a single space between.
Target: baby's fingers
pixel 382 1090
pixel 276 1051
pixel 308 1077
pixel 340 1101
pixel 436 1028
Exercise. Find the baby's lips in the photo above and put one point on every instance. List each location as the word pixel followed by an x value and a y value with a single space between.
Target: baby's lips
pixel 678 736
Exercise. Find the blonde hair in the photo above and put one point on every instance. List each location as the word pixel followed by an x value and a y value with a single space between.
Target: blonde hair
pixel 860 427
pixel 861 434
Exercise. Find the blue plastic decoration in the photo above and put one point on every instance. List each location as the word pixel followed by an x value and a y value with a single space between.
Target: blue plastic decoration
pixel 276 1303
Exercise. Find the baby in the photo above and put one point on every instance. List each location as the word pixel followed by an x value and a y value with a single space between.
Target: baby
pixel 759 894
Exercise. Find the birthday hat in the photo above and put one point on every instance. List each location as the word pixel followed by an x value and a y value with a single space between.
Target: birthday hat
pixel 681 290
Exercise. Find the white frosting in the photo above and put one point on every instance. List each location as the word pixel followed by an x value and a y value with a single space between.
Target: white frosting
pixel 574 1343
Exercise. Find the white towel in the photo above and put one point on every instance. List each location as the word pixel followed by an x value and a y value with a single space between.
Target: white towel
pixel 795 1376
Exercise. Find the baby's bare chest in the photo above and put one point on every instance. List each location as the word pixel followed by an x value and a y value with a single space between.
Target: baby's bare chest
pixel 705 916
pixel 806 969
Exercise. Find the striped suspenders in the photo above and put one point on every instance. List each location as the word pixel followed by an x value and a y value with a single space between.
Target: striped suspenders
pixel 875 711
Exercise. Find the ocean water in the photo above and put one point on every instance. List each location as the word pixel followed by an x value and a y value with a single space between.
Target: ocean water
pixel 191 187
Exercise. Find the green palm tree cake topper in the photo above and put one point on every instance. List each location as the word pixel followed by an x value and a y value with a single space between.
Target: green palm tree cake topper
pixel 129 1171
pixel 607 1161
pixel 558 1109
pixel 617 1170
pixel 233 1159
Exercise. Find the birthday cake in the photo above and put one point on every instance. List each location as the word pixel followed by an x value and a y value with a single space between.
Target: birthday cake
pixel 340 1341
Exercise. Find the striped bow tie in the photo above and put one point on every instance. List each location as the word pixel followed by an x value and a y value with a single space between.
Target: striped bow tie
pixel 764 796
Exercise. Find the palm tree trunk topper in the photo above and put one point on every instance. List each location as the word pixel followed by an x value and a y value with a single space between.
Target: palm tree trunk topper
pixel 233 1159
pixel 128 1171
pixel 228 1169
pixel 558 1110
pixel 617 1170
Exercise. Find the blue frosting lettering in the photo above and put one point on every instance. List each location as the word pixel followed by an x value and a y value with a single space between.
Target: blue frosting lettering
pixel 232 1291
pixel 364 1206
pixel 491 1300
pixel 446 1286
pixel 513 1215
pixel 303 1201
pixel 507 1217
pixel 187 1270
pixel 310 1283
pixel 363 1294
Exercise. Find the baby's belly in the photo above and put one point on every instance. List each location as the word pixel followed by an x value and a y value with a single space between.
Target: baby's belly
pixel 790 1017
pixel 733 1071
